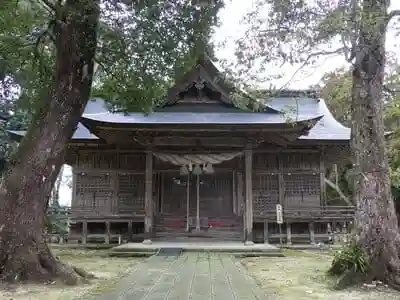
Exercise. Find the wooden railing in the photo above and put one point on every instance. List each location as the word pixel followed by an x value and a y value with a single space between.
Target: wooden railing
pixel 100 211
pixel 302 212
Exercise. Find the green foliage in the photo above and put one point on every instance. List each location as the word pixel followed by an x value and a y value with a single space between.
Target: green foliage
pixel 142 46
pixel 335 89
pixel 350 265
pixel 351 258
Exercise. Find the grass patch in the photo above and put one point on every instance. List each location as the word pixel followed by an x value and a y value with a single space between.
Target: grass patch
pixel 301 275
pixel 107 269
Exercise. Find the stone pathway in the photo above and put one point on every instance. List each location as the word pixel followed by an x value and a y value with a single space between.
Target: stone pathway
pixel 190 276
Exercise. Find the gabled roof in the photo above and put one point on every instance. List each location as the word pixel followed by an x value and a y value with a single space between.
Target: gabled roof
pixel 81 133
pixel 195 118
pixel 328 128
pixel 300 107
pixel 205 71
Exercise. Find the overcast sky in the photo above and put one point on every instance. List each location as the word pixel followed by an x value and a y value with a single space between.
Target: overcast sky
pixel 230 29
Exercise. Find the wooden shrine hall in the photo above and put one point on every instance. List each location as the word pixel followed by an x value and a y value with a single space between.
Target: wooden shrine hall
pixel 201 166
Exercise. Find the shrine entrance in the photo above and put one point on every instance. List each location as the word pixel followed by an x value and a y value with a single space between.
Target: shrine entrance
pixel 197 198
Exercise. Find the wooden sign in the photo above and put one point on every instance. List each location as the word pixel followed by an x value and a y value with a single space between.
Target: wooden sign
pixel 279 214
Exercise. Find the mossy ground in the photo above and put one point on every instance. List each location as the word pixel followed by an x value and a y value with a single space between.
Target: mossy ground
pixel 106 269
pixel 301 275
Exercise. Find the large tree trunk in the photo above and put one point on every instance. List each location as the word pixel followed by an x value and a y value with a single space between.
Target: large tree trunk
pixel 24 254
pixel 376 227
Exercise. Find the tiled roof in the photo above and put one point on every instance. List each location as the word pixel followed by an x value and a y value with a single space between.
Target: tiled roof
pixel 187 118
pixel 81 133
pixel 328 128
pixel 299 109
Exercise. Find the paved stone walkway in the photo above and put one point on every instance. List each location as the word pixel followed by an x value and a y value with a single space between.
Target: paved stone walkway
pixel 190 276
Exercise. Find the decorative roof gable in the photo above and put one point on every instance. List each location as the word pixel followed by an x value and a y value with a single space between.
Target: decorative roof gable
pixel 203 88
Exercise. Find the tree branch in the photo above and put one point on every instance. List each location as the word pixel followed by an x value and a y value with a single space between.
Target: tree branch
pixel 49 5
pixel 310 56
pixel 337 189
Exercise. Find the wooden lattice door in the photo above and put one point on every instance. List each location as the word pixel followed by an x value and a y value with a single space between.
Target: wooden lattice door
pixel 174 193
pixel 216 194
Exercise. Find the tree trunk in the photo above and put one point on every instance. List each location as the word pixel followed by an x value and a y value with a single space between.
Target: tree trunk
pixel 27 187
pixel 376 227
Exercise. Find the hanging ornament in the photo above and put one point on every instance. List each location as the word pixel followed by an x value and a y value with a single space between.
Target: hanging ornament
pixel 197 170
pixel 184 170
pixel 208 169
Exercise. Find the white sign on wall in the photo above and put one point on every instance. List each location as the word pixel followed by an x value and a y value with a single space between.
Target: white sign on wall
pixel 279 214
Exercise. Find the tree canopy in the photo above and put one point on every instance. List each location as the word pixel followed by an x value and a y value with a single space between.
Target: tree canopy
pixel 142 46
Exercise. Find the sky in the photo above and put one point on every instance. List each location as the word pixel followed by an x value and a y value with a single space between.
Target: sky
pixel 231 28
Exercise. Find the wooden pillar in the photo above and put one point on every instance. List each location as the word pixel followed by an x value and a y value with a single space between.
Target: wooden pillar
pixel 249 197
pixel 188 203
pixel 266 241
pixel 288 233
pixel 239 196
pixel 281 182
pixel 108 233
pixel 162 193
pixel 84 232
pixel 197 203
pixel 322 178
pixel 148 198
pixel 130 231
pixel 312 233
pixel 115 187
pixel 234 198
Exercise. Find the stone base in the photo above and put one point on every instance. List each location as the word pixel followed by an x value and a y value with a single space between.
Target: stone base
pixel 248 243
pixel 147 242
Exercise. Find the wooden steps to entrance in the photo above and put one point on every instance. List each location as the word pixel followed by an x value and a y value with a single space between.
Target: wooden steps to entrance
pixel 168 227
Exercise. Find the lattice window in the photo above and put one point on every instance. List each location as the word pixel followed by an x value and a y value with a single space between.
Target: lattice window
pixel 300 161
pixel 93 190
pixel 131 192
pixel 310 160
pixel 129 161
pixel 302 190
pixel 265 192
pixel 265 161
pixel 86 160
pixel 105 160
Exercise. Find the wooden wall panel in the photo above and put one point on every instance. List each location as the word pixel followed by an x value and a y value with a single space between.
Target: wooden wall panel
pixel 302 190
pixel 131 193
pixel 93 192
pixel 132 161
pixel 300 161
pixel 265 192
pixel 265 162
pixel 111 161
